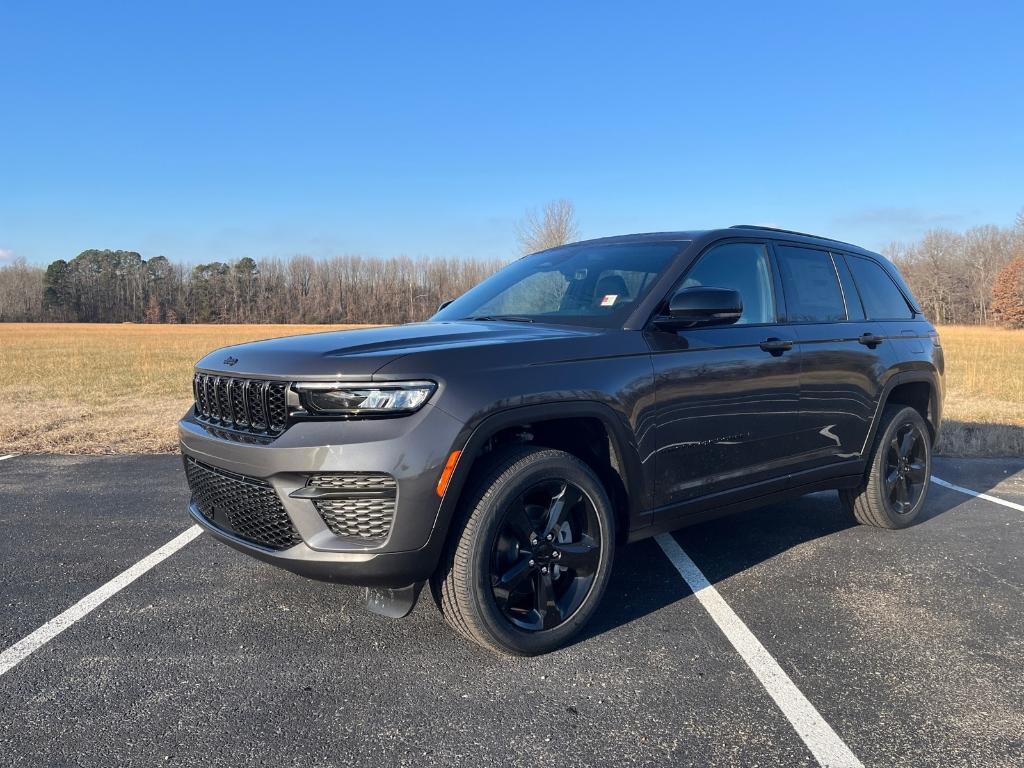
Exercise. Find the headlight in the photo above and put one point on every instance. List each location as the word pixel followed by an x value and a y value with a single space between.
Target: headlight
pixel 365 399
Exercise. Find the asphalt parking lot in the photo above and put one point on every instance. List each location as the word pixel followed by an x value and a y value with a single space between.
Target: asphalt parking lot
pixel 909 644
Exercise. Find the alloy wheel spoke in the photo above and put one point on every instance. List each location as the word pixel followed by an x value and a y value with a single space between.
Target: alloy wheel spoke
pixel 907 443
pixel 581 557
pixel 894 446
pixel 561 503
pixel 917 472
pixel 519 524
pixel 546 605
pixel 901 493
pixel 890 480
pixel 512 579
pixel 555 510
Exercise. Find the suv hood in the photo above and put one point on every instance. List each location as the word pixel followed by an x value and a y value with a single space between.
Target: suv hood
pixel 353 355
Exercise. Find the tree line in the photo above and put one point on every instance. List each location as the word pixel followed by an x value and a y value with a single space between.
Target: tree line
pixel 121 286
pixel 953 274
pixel 972 277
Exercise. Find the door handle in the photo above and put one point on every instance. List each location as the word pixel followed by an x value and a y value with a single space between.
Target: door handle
pixel 776 346
pixel 869 339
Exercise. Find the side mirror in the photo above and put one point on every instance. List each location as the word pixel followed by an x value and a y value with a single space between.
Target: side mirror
pixel 444 304
pixel 703 306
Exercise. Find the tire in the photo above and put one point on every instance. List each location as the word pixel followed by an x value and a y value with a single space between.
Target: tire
pixel 878 499
pixel 508 581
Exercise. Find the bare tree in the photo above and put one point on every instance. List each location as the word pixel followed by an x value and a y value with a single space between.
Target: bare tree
pixel 554 225
pixel 952 273
pixel 21 291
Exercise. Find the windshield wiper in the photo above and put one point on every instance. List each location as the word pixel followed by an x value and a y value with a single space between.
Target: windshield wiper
pixel 510 318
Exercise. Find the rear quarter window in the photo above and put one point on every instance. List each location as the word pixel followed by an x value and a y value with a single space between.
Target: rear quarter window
pixel 882 299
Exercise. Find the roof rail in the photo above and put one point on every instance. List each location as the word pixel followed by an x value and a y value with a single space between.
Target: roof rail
pixel 786 231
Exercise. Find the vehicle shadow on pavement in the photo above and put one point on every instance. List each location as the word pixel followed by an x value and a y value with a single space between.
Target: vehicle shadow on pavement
pixel 643 581
pixel 1001 477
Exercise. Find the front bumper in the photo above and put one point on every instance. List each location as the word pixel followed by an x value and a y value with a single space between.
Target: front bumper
pixel 412 449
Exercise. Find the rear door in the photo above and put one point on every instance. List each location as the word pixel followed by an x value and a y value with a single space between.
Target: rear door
pixel 841 353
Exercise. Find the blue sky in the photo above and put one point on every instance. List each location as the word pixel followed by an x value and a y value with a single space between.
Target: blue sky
pixel 212 131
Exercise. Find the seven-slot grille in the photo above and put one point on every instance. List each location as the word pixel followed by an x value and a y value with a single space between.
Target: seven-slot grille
pixel 244 506
pixel 249 405
pixel 359 505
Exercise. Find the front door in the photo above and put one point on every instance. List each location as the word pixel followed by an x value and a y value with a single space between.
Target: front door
pixel 727 397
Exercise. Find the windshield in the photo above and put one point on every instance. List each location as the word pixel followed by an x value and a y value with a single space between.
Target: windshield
pixel 576 284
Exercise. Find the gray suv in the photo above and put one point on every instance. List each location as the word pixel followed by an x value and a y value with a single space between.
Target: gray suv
pixel 581 398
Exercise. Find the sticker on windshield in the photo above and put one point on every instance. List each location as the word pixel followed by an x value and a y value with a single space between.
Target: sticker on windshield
pixel 609 299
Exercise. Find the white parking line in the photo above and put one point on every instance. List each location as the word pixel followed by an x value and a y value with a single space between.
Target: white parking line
pixel 824 743
pixel 24 647
pixel 976 494
pixel 8 456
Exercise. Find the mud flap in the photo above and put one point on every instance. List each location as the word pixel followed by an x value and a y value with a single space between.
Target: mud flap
pixel 393 603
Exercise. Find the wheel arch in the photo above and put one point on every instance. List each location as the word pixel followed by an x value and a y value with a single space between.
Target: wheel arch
pixel 544 425
pixel 917 388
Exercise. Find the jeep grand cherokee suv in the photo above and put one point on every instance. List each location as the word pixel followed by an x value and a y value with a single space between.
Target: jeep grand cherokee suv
pixel 582 397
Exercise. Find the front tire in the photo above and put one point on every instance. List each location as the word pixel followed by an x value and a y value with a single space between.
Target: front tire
pixel 531 562
pixel 896 484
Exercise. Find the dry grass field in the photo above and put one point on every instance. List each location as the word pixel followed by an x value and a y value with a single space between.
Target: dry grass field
pixel 98 388
pixel 984 413
pixel 79 388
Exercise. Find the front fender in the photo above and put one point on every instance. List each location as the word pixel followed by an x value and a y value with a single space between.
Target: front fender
pixel 475 436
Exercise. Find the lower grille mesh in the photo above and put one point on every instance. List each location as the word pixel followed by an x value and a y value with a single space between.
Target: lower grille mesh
pixel 361 505
pixel 248 508
pixel 363 518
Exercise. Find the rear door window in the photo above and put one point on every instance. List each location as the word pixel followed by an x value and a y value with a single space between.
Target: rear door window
pixel 882 299
pixel 812 287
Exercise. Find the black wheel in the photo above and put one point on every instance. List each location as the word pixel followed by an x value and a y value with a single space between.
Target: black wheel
pixel 530 564
pixel 896 483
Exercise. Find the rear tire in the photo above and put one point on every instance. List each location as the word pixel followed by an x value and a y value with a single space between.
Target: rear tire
pixel 528 565
pixel 896 483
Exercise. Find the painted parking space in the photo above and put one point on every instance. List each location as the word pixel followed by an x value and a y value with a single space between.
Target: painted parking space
pixel 212 654
pixel 908 641
pixel 72 523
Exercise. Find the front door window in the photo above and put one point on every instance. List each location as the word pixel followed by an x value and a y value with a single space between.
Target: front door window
pixel 743 267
